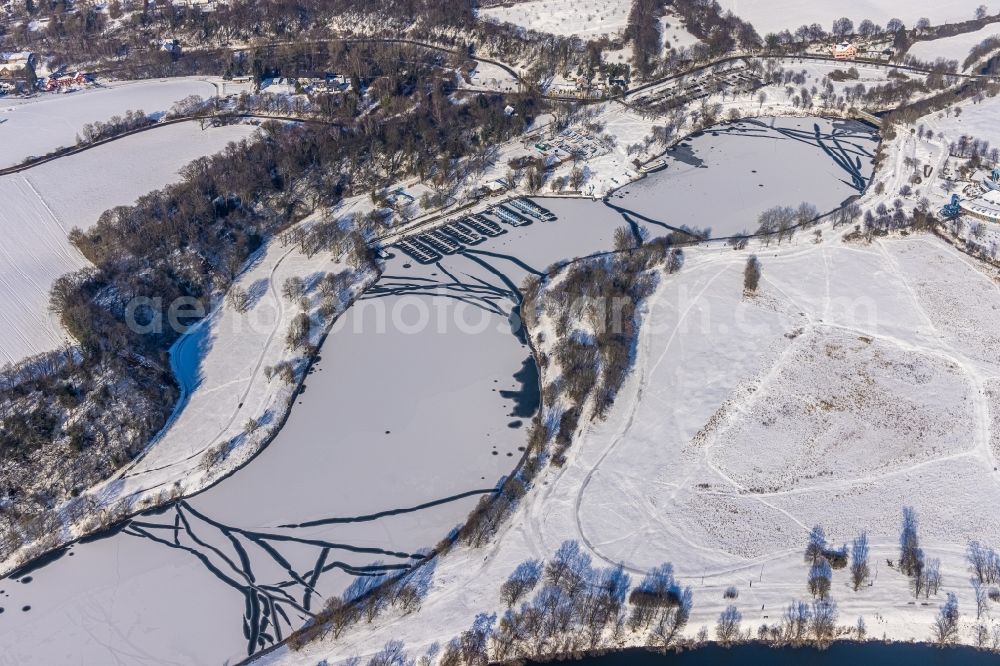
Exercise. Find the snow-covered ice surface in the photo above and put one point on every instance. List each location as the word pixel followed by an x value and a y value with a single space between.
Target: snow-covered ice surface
pixel 587 19
pixel 724 179
pixel 860 358
pixel 398 432
pixel 777 15
pixel 41 205
pixel 393 441
pixel 335 491
pixel 956 47
pixel 38 125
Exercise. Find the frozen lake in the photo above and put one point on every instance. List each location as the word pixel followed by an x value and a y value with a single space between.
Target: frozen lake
pixel 400 430
pixel 418 406
pixel 724 178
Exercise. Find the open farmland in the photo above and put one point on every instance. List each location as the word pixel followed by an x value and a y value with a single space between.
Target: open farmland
pixel 952 48
pixel 39 125
pixel 43 204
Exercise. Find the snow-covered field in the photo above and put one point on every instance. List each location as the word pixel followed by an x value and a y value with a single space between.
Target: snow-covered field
pixel 953 48
pixel 488 76
pixel 859 380
pixel 851 385
pixel 41 205
pixel 587 19
pixel 673 33
pixel 776 15
pixel 38 125
pixel 976 120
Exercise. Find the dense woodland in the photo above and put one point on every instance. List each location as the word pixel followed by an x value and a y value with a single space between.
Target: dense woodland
pixel 80 32
pixel 125 41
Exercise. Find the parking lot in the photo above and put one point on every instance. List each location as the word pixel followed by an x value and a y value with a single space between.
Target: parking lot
pixel 469 230
pixel 676 93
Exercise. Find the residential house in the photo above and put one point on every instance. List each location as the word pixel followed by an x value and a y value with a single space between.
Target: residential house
pixel 18 60
pixel 845 51
pixel 62 81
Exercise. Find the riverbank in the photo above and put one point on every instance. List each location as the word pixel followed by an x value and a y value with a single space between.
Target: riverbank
pixel 754 653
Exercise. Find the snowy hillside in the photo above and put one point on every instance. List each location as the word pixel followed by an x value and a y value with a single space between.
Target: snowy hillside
pixel 587 19
pixel 702 462
pixel 952 48
pixel 776 15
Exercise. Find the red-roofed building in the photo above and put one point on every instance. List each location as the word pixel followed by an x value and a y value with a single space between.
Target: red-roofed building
pixel 60 81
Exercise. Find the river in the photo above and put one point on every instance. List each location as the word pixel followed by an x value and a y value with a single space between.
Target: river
pixel 885 654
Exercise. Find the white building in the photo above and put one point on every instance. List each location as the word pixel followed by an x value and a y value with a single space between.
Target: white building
pixel 18 60
pixel 985 207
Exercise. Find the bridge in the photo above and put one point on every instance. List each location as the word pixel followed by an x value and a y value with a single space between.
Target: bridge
pixel 868 117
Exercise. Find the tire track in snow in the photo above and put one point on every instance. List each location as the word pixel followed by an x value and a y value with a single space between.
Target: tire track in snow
pixel 634 408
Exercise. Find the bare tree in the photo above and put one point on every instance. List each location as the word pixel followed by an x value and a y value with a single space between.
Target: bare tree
pixel 982 597
pixel 795 622
pixel 824 621
pixel 523 579
pixel 293 288
pixel 393 654
pixel 816 545
pixel 980 636
pixel 910 555
pixel 338 614
pixel 842 27
pixel 932 574
pixel 238 299
pixel 727 629
pixel 751 275
pixel 945 629
pixel 859 560
pixel 984 563
pixel 820 578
